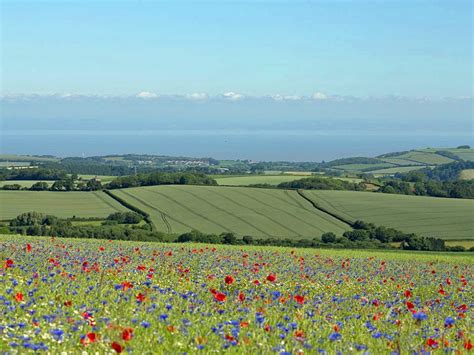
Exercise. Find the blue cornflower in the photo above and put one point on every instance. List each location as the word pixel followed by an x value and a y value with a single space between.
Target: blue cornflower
pixel 420 316
pixel 335 336
pixel 449 321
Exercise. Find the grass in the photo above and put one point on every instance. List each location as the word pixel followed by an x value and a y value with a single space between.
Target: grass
pixel 256 179
pixel 463 243
pixel 426 158
pixel 361 167
pixel 23 183
pixel 398 161
pixel 90 296
pixel 103 178
pixel 446 218
pixel 467 174
pixel 244 211
pixel 398 169
pixel 60 204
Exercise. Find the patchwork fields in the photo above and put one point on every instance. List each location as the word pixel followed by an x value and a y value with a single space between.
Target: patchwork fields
pixel 244 211
pixel 426 216
pixel 60 204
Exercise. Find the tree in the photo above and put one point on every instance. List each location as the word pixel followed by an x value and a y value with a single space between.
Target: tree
pixel 93 185
pixel 39 186
pixel 228 238
pixel 247 239
pixel 328 237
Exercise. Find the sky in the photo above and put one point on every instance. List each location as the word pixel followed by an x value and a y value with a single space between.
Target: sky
pixel 256 48
pixel 232 68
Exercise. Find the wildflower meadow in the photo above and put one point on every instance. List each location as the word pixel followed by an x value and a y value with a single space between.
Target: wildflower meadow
pixel 102 296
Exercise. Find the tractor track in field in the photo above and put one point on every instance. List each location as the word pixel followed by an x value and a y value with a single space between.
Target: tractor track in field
pixel 349 223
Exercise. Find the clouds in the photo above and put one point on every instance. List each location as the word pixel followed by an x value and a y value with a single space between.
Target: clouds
pixel 232 96
pixel 147 95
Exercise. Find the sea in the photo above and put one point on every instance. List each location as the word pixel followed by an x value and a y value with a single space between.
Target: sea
pixel 255 145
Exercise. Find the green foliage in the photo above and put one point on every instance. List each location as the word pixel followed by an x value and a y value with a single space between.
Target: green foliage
pixel 39 186
pixel 159 178
pixel 319 183
pixel 12 187
pixel 328 237
pixel 125 217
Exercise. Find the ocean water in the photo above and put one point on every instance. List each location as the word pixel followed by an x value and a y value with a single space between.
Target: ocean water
pixel 291 145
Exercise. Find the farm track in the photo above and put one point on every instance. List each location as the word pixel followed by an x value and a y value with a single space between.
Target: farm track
pixel 229 213
pixel 162 214
pixel 259 213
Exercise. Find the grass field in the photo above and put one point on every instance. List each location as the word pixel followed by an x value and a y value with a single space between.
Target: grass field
pixel 361 167
pixel 101 297
pixel 467 174
pixel 23 183
pixel 60 204
pixel 397 169
pixel 398 161
pixel 425 157
pixel 244 211
pixel 103 178
pixel 256 179
pixel 426 216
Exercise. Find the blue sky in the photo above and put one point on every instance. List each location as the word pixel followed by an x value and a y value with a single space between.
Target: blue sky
pixel 357 48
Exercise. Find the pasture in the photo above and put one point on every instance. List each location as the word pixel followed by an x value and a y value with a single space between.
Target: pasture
pixel 425 157
pixel 445 218
pixel 256 179
pixel 23 183
pixel 244 211
pixel 60 204
pixel 99 296
pixel 467 174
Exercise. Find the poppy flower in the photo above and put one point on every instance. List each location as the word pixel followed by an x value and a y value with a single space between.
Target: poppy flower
pixel 299 299
pixel 432 343
pixel 92 337
pixel 28 247
pixel 220 297
pixel 127 334
pixel 117 347
pixel 468 345
pixel 9 263
pixel 19 297
pixel 241 297
pixel 407 293
pixel 140 297
pixel 271 278
pixel 229 280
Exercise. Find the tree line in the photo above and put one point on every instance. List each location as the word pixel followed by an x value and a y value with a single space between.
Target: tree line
pixel 127 226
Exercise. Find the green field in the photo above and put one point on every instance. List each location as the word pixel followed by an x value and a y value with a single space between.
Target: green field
pixel 426 216
pixel 103 178
pixel 397 169
pixel 467 174
pixel 425 157
pixel 23 183
pixel 362 167
pixel 244 211
pixel 256 179
pixel 61 204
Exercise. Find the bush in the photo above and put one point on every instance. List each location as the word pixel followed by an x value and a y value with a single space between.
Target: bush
pixel 328 237
pixel 125 217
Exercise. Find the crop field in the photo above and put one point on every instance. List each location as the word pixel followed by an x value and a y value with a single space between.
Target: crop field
pixel 256 179
pixel 244 211
pixel 467 174
pixel 102 178
pixel 398 161
pixel 445 218
pixel 426 158
pixel 60 204
pixel 361 167
pixel 23 183
pixel 397 169
pixel 75 296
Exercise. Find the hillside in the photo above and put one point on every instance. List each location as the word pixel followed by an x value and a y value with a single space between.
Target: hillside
pixel 60 204
pixel 244 211
pixel 445 218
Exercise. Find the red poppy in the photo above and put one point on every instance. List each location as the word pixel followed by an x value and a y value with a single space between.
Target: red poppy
pixel 92 337
pixel 241 297
pixel 8 263
pixel 117 347
pixel 299 334
pixel 140 297
pixel 28 247
pixel 126 285
pixel 432 343
pixel 127 334
pixel 256 282
pixel 229 280
pixel 299 299
pixel 410 305
pixel 19 297
pixel 220 297
pixel 468 345
pixel 408 294
pixel 271 278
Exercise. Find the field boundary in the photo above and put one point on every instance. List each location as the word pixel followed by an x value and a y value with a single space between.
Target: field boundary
pixel 322 209
pixel 132 207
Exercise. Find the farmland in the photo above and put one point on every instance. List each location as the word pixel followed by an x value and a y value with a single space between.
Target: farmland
pixel 256 179
pixel 23 183
pixel 244 211
pixel 426 216
pixel 104 296
pixel 467 174
pixel 60 204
